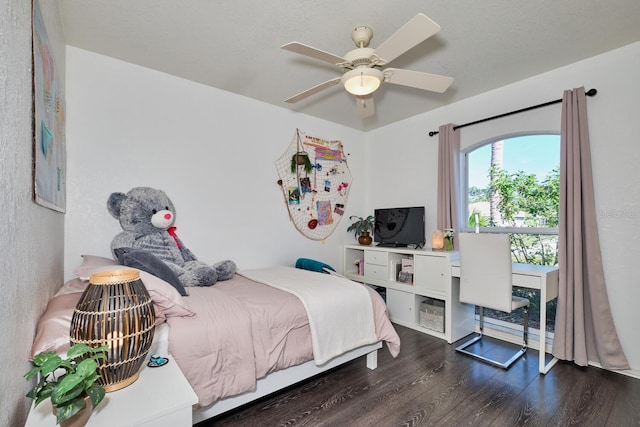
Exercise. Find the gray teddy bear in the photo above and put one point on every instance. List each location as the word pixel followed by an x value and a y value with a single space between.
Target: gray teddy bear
pixel 147 216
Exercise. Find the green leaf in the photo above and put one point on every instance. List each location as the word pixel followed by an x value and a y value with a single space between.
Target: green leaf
pixel 90 380
pixel 51 364
pixel 60 399
pixel 100 355
pixel 78 350
pixel 31 373
pixel 66 411
pixel 100 349
pixel 33 393
pixel 96 394
pixel 45 393
pixel 68 382
pixel 40 358
pixel 86 367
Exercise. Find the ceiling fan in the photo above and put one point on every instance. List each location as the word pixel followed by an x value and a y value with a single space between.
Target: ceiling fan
pixel 362 67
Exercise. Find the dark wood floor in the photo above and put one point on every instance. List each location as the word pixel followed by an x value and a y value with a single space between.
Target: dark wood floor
pixel 429 384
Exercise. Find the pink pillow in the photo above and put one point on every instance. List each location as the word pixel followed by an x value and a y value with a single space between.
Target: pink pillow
pixel 166 298
pixel 52 333
pixel 90 263
pixel 73 285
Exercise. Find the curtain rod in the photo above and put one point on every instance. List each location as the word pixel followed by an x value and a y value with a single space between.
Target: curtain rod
pixel 590 92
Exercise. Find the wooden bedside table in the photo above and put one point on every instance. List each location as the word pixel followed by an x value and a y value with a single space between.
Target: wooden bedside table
pixel 161 397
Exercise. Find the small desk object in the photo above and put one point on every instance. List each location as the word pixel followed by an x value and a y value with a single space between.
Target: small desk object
pixel 539 277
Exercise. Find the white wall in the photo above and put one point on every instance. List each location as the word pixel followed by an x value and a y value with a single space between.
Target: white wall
pixel 402 160
pixel 213 152
pixel 31 236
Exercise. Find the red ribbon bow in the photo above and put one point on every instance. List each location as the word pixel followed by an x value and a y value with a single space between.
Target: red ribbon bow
pixel 172 233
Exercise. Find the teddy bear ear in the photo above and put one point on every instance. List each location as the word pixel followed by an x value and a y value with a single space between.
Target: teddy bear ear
pixel 114 203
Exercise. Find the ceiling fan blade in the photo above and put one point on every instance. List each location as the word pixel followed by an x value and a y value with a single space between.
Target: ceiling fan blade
pixel 365 105
pixel 312 52
pixel 426 81
pixel 418 29
pixel 302 95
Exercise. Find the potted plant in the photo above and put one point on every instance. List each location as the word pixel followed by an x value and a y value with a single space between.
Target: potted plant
pixel 301 158
pixel 69 381
pixel 448 239
pixel 362 228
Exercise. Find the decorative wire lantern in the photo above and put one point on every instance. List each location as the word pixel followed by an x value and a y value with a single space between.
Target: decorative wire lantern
pixel 115 310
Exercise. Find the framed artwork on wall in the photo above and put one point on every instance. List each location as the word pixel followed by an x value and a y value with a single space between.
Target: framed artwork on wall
pixel 49 150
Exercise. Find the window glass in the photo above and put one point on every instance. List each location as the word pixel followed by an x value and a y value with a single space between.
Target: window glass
pixel 513 183
pixel 512 186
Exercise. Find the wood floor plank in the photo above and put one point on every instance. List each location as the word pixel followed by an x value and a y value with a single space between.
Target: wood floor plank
pixel 394 380
pixel 403 393
pixel 540 400
pixel 625 410
pixel 589 400
pixel 430 384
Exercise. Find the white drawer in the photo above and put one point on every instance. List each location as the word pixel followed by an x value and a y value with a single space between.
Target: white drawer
pixel 376 271
pixel 401 306
pixel 429 273
pixel 376 257
pixel 522 280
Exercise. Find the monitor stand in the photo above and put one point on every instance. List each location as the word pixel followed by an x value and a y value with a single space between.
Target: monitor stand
pixel 391 245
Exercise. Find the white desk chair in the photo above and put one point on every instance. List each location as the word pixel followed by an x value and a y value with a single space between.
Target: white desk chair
pixel 485 281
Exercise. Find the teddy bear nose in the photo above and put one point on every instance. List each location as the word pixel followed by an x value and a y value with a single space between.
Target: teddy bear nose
pixel 167 216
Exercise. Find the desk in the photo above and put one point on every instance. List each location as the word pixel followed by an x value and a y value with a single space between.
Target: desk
pixel 539 277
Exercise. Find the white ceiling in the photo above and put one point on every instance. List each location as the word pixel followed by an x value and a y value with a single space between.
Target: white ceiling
pixel 234 45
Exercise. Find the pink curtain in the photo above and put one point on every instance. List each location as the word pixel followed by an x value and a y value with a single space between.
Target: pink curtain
pixel 584 326
pixel 448 178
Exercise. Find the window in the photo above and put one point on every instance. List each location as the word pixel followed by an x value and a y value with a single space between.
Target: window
pixel 512 186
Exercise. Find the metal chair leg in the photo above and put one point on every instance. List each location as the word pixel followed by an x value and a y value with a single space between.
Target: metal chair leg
pixel 526 327
pixel 504 365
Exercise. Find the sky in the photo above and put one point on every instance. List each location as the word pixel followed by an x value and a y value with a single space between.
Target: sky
pixel 537 154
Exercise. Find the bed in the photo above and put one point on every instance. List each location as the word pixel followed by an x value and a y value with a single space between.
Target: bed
pixel 244 338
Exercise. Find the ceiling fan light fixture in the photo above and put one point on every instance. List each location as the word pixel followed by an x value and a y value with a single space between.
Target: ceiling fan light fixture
pixel 362 81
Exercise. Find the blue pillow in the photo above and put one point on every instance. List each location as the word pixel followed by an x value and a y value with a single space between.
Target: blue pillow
pixel 312 265
pixel 146 261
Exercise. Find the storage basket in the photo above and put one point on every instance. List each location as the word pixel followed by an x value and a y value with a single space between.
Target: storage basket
pixel 432 314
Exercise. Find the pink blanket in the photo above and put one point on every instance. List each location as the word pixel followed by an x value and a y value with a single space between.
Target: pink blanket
pixel 244 330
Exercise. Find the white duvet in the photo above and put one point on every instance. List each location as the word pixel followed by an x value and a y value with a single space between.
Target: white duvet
pixel 337 324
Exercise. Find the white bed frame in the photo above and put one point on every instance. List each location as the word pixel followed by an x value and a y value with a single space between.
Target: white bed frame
pixel 280 379
pixel 273 382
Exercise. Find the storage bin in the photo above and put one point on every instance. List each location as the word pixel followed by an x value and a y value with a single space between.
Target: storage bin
pixel 432 314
